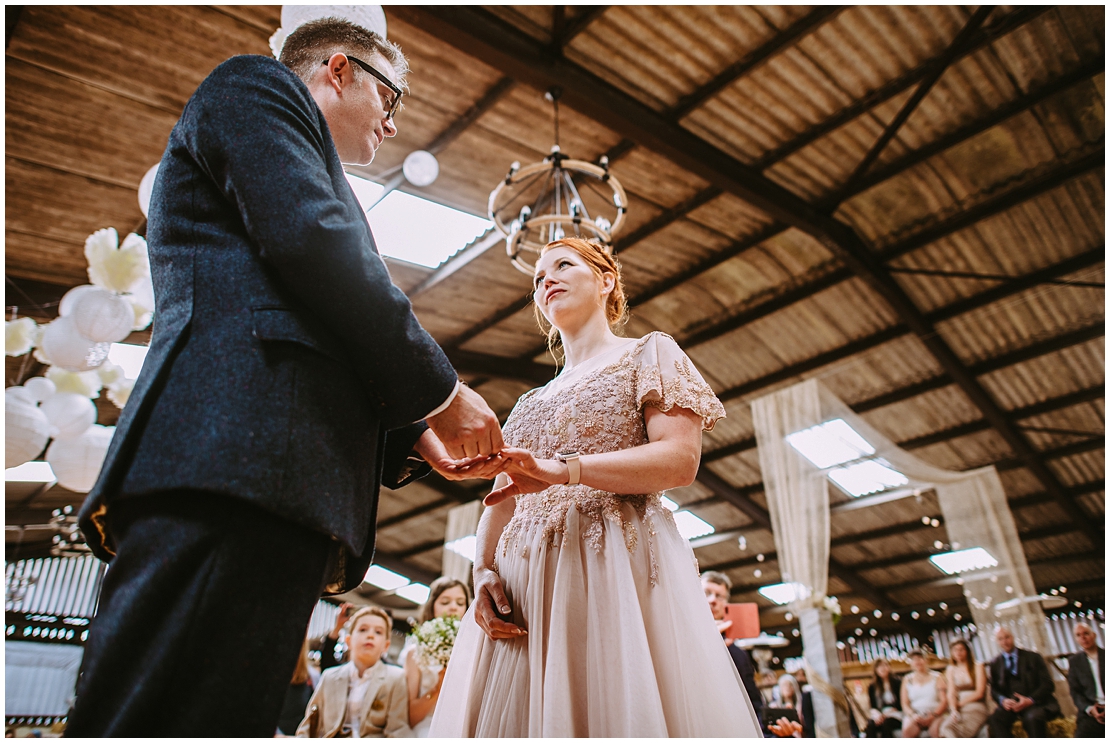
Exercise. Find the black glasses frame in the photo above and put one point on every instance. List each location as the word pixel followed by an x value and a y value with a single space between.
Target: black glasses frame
pixel 397 92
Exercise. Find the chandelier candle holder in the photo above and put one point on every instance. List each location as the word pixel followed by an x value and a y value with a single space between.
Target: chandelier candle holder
pixel 555 198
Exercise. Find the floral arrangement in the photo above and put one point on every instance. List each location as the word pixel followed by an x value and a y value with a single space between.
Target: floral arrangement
pixel 434 641
pixel 832 605
pixel 58 406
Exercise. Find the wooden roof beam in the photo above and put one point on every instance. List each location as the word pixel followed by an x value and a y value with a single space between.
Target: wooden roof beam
pixel 894 87
pixel 567 31
pixel 755 59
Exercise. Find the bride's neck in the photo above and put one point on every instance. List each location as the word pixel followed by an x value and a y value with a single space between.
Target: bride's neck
pixel 588 340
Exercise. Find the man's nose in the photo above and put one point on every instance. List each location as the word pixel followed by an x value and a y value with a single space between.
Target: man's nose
pixel 389 128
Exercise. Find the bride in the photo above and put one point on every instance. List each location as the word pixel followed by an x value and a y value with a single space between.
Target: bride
pixel 589 617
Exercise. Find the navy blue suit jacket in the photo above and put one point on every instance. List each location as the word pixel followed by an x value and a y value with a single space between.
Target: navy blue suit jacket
pixel 281 351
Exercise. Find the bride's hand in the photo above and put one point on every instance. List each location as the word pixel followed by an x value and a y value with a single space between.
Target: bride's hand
pixel 527 475
pixel 489 602
pixel 435 453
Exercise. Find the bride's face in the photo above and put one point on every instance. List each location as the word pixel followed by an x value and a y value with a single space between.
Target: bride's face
pixel 567 290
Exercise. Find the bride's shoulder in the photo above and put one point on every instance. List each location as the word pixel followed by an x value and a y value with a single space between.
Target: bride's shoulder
pixel 655 347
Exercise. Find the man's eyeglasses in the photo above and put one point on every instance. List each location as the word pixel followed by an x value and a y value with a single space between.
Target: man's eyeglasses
pixel 395 103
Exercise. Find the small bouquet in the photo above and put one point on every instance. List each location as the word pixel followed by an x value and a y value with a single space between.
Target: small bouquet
pixel 434 641
pixel 832 606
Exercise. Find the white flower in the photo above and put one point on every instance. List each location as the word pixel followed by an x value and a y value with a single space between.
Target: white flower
pixel 109 373
pixel 116 267
pixel 434 641
pixel 142 301
pixel 86 384
pixel 120 392
pixel 19 336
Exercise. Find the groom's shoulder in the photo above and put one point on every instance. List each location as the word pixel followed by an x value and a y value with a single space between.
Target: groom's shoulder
pixel 251 74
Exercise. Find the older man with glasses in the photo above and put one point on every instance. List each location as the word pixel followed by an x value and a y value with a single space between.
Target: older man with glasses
pixel 287 379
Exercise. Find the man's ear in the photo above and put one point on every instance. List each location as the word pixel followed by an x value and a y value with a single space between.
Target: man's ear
pixel 339 74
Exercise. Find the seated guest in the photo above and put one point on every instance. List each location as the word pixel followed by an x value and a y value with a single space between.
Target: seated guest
pixel 885 694
pixel 1022 689
pixel 1086 677
pixel 791 696
pixel 967 693
pixel 329 641
pixel 718 590
pixel 364 698
pixel 923 698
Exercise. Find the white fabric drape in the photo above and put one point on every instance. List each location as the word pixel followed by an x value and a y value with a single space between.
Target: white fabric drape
pixel 974 505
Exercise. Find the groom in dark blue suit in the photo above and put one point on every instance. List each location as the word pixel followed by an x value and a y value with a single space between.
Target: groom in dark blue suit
pixel 287 378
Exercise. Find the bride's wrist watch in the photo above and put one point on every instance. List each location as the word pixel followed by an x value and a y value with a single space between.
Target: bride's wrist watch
pixel 574 467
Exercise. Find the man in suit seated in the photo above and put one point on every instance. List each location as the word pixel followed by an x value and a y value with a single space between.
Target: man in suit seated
pixel 1086 674
pixel 718 587
pixel 1022 688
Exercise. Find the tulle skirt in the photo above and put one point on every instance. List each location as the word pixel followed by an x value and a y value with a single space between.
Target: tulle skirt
pixel 610 652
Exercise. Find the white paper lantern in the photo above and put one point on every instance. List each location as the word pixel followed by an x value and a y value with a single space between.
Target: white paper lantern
pixel 64 345
pixel 77 462
pixel 146 187
pixel 19 336
pixel 69 301
pixel 142 301
pixel 26 428
pixel 421 168
pixel 70 415
pixel 40 388
pixel 103 317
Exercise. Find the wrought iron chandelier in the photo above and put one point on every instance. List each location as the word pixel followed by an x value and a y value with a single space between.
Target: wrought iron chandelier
pixel 555 198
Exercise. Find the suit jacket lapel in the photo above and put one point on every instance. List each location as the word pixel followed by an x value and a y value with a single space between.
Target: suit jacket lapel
pixel 377 678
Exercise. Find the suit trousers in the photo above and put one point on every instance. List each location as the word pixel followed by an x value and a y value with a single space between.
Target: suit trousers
pixel 1034 719
pixel 201 619
pixel 1086 727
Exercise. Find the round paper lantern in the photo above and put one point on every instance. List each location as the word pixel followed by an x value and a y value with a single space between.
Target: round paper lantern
pixel 26 428
pixel 70 415
pixel 64 345
pixel 146 187
pixel 77 462
pixel 421 168
pixel 40 388
pixel 69 301
pixel 103 317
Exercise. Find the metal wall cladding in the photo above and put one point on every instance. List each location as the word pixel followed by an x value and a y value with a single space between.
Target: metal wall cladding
pixel 40 678
pixel 60 586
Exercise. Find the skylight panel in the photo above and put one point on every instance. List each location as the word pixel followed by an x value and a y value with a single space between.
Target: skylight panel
pixel 30 472
pixel 464 546
pixel 417 593
pixel 831 443
pixel 962 561
pixel 690 526
pixel 863 478
pixel 385 579
pixel 415 229
pixel 779 593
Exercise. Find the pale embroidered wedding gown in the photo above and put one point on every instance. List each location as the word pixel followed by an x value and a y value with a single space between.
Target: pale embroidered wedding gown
pixel 620 640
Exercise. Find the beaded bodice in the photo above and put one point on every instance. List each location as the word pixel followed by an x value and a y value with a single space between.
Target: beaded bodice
pixel 598 407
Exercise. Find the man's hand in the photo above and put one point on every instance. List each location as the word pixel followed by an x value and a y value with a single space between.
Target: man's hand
pixel 341 619
pixel 1099 713
pixel 722 625
pixel 785 728
pixel 488 594
pixel 1023 703
pixel 468 428
pixel 435 453
pixel 1009 705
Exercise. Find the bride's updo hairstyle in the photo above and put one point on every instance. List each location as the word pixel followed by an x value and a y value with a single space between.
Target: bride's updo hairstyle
pixel 600 262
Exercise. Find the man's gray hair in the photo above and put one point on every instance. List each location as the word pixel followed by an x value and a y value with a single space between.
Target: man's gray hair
pixel 719 578
pixel 314 42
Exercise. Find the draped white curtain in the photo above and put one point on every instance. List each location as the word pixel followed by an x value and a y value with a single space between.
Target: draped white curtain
pixel 974 505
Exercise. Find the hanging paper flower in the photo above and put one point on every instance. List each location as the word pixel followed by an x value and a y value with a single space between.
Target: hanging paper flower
pixel 142 302
pixel 120 392
pixel 87 384
pixel 116 267
pixel 27 429
pixel 110 373
pixel 19 336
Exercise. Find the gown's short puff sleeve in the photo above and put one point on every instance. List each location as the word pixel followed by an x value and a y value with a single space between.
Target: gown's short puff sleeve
pixel 666 377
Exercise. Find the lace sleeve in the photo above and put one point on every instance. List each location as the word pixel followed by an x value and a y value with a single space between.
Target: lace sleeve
pixel 666 377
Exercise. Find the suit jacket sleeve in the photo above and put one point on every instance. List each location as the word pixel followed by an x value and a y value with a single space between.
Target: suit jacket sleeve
pixel 397 721
pixel 1044 692
pixel 747 675
pixel 1077 681
pixel 317 699
pixel 260 136
pixel 998 688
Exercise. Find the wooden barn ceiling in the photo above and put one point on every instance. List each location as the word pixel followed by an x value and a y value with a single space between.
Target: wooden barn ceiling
pixel 906 202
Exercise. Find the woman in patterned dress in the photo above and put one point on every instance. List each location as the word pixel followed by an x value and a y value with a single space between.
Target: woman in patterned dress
pixel 589 618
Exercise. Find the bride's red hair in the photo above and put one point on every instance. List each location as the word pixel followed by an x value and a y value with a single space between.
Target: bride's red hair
pixel 600 262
